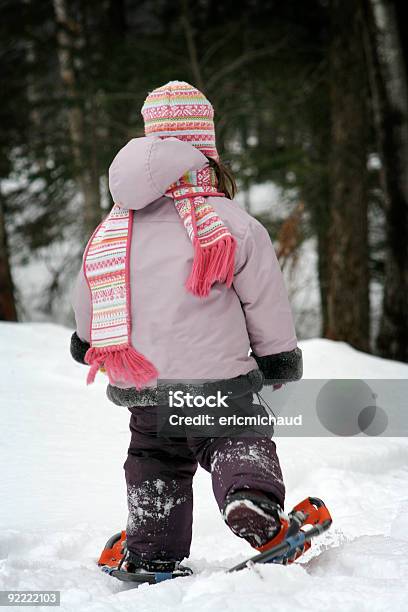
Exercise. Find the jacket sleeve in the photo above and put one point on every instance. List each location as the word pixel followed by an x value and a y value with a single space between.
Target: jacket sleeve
pixel 259 285
pixel 81 302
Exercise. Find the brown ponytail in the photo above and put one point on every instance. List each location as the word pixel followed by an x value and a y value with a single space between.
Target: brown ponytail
pixel 225 178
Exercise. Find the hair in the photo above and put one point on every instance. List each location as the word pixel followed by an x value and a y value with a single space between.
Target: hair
pixel 225 178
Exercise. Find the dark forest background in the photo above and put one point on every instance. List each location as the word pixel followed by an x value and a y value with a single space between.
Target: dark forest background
pixel 310 96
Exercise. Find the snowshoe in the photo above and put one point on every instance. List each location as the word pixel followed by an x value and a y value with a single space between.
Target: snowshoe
pixel 122 564
pixel 293 539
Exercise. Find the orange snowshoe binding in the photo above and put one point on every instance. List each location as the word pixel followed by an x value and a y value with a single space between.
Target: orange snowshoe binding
pixel 119 562
pixel 307 520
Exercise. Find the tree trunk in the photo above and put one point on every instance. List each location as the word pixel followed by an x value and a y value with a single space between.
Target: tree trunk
pixel 322 261
pixel 348 277
pixel 8 310
pixel 390 88
pixel 85 170
pixel 191 45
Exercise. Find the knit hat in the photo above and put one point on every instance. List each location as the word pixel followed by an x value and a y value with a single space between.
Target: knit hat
pixel 179 109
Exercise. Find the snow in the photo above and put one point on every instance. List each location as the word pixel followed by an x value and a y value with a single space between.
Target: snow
pixel 62 494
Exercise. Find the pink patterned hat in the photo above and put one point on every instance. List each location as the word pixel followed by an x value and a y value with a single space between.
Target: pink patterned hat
pixel 179 109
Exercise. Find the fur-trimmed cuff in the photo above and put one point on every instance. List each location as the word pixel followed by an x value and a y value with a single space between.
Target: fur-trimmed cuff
pixel 282 367
pixel 79 348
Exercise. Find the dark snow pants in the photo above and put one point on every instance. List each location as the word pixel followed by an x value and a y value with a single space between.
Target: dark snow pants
pixel 159 473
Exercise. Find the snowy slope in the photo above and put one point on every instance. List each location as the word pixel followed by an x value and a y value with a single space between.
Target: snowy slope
pixel 62 494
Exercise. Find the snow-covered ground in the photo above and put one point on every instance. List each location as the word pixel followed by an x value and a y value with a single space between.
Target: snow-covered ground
pixel 62 494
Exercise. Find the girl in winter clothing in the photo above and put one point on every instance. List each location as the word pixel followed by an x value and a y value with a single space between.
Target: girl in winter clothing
pixel 180 283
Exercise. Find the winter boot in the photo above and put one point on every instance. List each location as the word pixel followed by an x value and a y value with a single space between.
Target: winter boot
pixel 253 515
pixel 135 565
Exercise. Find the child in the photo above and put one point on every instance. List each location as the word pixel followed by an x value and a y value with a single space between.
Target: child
pixel 179 282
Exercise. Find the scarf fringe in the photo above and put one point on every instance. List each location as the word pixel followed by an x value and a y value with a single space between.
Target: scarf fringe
pixel 211 265
pixel 122 364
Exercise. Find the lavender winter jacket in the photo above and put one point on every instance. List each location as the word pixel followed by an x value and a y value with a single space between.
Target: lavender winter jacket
pixel 187 337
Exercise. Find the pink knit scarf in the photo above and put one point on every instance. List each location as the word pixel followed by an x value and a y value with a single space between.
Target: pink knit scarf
pixel 107 265
pixel 214 246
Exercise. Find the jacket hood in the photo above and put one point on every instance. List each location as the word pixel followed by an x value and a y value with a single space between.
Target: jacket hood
pixel 145 167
